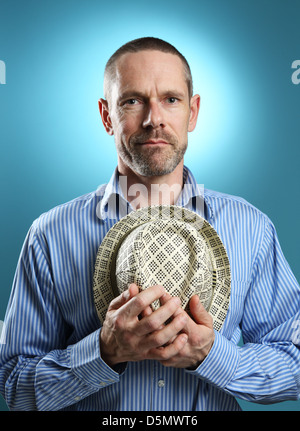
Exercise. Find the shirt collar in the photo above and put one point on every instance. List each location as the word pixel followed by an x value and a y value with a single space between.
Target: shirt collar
pixel 113 204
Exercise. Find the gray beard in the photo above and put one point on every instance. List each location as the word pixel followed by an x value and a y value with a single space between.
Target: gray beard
pixel 143 165
pixel 153 161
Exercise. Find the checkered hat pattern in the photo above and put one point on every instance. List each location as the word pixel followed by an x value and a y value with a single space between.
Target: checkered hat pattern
pixel 165 245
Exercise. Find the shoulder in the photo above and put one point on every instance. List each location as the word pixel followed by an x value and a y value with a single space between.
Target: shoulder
pixel 225 197
pixel 235 209
pixel 219 198
pixel 78 210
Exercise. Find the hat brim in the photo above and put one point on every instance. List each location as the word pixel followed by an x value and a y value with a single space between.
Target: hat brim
pixel 104 290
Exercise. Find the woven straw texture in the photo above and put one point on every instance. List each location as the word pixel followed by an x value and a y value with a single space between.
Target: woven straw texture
pixel 165 245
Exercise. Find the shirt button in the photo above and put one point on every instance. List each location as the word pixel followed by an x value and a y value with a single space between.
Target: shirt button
pixel 161 383
pixel 77 398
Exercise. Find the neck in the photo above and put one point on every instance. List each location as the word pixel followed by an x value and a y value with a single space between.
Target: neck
pixel 141 191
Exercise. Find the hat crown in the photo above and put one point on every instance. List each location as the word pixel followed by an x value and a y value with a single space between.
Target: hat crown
pixel 170 253
pixel 121 259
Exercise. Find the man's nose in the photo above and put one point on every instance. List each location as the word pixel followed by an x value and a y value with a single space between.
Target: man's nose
pixel 153 115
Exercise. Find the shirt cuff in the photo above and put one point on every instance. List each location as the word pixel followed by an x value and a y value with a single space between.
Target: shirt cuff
pixel 220 365
pixel 87 364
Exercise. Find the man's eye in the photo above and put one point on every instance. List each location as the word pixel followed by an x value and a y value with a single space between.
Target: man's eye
pixel 172 100
pixel 131 102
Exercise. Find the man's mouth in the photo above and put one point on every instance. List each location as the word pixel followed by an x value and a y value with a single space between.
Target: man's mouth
pixel 154 142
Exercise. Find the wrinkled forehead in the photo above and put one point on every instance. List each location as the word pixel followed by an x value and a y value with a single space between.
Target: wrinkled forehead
pixel 148 58
pixel 145 68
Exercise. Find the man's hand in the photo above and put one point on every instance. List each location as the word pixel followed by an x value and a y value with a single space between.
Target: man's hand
pixel 133 332
pixel 200 333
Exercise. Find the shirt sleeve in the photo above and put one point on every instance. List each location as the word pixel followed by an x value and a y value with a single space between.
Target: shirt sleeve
pixel 266 369
pixel 38 370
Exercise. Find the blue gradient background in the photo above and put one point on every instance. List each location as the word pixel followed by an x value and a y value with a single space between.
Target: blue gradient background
pixel 54 147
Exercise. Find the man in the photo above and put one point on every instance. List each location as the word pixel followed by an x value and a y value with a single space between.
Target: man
pixel 57 357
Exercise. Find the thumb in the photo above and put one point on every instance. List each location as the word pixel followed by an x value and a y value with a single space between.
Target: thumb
pixel 198 312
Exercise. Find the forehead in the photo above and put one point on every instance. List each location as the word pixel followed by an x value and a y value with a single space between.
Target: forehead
pixel 150 67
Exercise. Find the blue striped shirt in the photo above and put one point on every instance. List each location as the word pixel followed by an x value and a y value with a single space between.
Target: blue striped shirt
pixel 51 359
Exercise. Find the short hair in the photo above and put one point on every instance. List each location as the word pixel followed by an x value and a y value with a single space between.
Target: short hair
pixel 143 44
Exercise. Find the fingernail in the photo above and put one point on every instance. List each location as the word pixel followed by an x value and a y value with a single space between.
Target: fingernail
pixel 126 294
pixel 198 300
pixel 184 338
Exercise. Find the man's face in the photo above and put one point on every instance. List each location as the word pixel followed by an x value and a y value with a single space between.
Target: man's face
pixel 150 112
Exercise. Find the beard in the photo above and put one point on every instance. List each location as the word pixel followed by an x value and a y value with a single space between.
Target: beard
pixel 152 161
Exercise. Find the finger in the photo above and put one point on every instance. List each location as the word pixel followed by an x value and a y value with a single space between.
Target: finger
pixel 157 318
pixel 120 300
pixel 168 333
pixel 165 298
pixel 133 289
pixel 143 299
pixel 166 353
pixel 124 297
pixel 198 312
pixel 148 310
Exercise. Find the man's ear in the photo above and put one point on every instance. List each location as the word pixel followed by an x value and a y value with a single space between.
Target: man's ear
pixel 104 112
pixel 194 111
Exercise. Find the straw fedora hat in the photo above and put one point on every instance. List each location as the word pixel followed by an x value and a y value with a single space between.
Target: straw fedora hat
pixel 166 245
